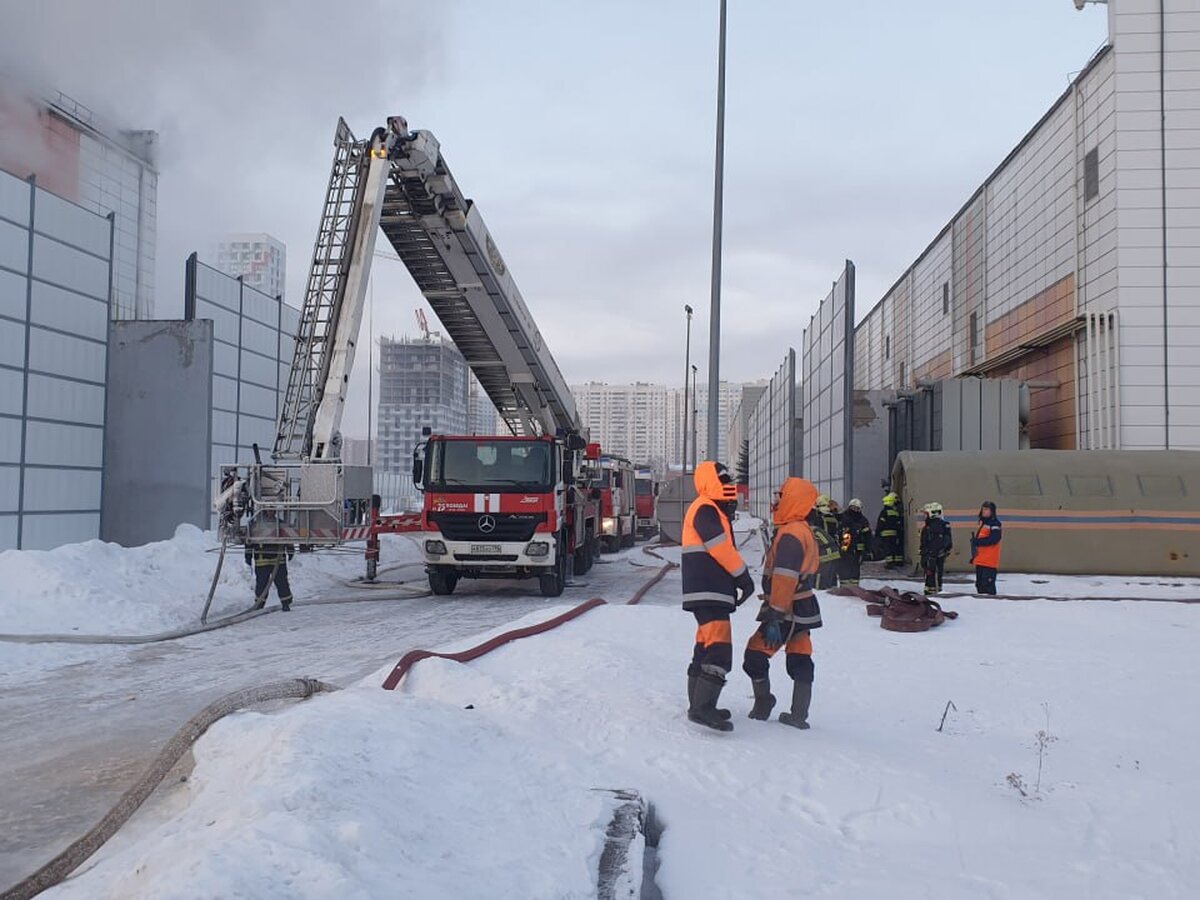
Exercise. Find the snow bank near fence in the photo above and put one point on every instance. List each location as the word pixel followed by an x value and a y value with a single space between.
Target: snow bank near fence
pixel 101 588
pixel 475 780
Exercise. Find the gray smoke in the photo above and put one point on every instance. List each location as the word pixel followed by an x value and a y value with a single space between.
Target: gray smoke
pixel 244 97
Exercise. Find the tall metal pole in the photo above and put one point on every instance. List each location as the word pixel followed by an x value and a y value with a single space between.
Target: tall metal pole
pixel 696 422
pixel 714 326
pixel 683 460
pixel 687 365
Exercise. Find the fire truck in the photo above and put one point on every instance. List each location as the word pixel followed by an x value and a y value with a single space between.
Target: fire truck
pixel 614 477
pixel 508 506
pixel 646 490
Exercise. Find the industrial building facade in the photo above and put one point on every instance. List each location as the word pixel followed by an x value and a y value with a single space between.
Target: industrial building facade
pixel 75 154
pixel 1075 267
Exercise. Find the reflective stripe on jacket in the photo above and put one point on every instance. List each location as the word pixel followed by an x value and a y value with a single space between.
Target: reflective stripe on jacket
pixel 711 563
pixel 793 559
pixel 986 544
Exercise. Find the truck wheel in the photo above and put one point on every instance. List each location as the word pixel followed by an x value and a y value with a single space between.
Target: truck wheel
pixel 628 539
pixel 553 582
pixel 442 583
pixel 589 548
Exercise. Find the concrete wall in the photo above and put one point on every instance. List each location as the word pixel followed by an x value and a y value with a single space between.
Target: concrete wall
pixel 159 436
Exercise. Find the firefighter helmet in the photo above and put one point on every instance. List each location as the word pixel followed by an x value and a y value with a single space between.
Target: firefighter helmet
pixel 855 504
pixel 934 509
pixel 822 503
pixel 890 499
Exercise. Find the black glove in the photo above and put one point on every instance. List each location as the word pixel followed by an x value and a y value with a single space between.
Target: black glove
pixel 745 588
pixel 772 628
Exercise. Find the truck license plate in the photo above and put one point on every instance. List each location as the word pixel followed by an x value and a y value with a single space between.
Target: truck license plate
pixel 485 548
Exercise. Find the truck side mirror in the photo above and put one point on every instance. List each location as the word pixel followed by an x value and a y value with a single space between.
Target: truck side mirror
pixel 576 442
pixel 418 465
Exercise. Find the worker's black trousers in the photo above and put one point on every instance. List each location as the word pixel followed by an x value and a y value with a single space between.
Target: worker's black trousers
pixel 263 575
pixel 935 570
pixel 851 569
pixel 985 580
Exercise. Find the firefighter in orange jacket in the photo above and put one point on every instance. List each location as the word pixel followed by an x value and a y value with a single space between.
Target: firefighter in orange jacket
pixel 790 610
pixel 715 582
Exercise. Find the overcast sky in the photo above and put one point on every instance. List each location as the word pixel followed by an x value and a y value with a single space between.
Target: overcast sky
pixel 585 133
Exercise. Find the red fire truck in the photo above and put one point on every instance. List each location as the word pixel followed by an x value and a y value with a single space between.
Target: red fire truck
pixel 646 489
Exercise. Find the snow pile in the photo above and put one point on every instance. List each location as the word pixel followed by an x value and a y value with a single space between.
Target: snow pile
pixel 101 588
pixel 1065 768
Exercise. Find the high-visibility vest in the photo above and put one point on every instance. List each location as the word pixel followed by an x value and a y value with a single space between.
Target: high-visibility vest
pixel 710 564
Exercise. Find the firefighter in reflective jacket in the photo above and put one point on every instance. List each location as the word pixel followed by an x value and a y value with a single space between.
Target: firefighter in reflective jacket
pixel 270 564
pixel 828 542
pixel 790 610
pixel 985 549
pixel 715 582
pixel 889 531
pixel 937 541
pixel 856 541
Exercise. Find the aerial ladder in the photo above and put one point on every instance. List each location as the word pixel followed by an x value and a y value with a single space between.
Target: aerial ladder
pixel 397 182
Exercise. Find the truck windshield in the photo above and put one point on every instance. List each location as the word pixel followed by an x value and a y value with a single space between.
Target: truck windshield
pixel 644 488
pixel 490 464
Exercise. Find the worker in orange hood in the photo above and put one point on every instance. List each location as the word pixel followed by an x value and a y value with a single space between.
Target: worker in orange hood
pixel 715 583
pixel 790 610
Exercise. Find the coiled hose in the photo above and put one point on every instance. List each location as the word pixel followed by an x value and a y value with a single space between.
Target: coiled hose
pixel 77 853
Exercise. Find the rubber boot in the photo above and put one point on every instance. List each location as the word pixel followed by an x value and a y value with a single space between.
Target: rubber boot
pixel 703 710
pixel 764 700
pixel 723 713
pixel 801 698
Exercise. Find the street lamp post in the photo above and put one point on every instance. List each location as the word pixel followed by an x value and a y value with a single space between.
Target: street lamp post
pixel 714 327
pixel 687 364
pixel 695 421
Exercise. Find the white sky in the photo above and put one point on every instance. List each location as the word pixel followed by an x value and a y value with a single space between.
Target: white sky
pixel 585 132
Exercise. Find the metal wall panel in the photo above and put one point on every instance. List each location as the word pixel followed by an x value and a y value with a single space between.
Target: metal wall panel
pixel 826 407
pixel 252 353
pixel 12 392
pixel 53 336
pixel 70 267
pixel 14 198
pixel 66 310
pixel 772 434
pixel 13 294
pixel 14 247
pixel 47 531
pixel 59 489
pixel 64 354
pixel 10 489
pixel 8 530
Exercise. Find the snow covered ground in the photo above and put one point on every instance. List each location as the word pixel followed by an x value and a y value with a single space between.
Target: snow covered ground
pixel 1065 767
pixel 100 588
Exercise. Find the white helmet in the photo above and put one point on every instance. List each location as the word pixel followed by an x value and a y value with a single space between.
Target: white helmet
pixel 855 504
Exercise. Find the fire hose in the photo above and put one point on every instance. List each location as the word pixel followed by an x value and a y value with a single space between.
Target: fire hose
pixel 74 856
pixel 78 852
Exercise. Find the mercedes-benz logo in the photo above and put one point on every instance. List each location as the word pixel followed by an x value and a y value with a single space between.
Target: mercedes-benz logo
pixel 487 524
